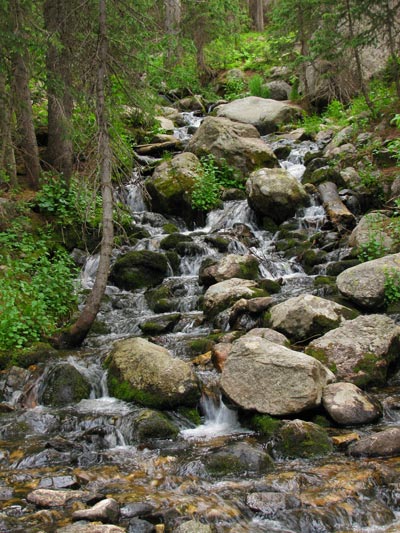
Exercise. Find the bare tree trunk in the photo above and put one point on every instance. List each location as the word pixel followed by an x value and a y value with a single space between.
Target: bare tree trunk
pixel 26 140
pixel 59 149
pixel 7 156
pixel 76 334
pixel 173 15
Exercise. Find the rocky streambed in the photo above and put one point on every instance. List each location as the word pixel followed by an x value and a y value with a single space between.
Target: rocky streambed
pixel 243 371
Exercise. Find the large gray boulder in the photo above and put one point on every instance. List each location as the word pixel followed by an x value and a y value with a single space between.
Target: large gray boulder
pixel 365 284
pixel 263 113
pixel 269 378
pixel 275 193
pixel 225 293
pixel 305 316
pixel 146 373
pixel 363 351
pixel 349 405
pixel 171 184
pixel 230 266
pixel 237 144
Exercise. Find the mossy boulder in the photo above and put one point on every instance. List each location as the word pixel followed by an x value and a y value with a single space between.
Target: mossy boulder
pixel 225 293
pixel 265 425
pixel 305 316
pixel 158 324
pixel 275 193
pixel 160 299
pixel 146 373
pixel 239 458
pixel 138 269
pixel 150 424
pixel 171 185
pixel 297 438
pixel 64 385
pixel 173 240
pixel 230 266
pixel 363 351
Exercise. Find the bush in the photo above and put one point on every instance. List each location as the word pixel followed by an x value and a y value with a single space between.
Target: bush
pixel 37 288
pixel 210 182
pixel 257 88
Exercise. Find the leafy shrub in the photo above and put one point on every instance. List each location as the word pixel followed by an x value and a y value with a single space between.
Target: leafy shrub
pixel 372 249
pixel 36 288
pixel 392 286
pixel 210 182
pixel 257 88
pixel 235 88
pixel 76 203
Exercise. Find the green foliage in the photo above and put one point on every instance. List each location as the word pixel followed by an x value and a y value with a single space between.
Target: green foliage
pixel 235 87
pixel 36 287
pixel 392 285
pixel 69 205
pixel 211 180
pixel 257 88
pixel 394 146
pixel 373 248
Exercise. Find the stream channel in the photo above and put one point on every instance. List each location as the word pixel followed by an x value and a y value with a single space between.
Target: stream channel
pixel 93 445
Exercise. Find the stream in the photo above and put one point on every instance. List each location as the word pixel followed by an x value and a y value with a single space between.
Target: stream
pixel 94 446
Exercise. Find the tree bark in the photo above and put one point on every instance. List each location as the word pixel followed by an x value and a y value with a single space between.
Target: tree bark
pixel 26 138
pixel 59 153
pixel 257 14
pixel 7 156
pixel 173 15
pixel 75 335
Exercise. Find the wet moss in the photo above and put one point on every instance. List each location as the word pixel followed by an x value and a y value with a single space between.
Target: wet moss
pixel 123 390
pixel 140 268
pixel 154 425
pixel 305 441
pixel 265 425
pixel 170 228
pixel 25 357
pixel 269 285
pixel 191 414
pixel 371 370
pixel 171 241
pixel 203 344
pixel 249 270
pixel 220 243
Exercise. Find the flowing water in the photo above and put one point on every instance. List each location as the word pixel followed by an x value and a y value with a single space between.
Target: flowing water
pixel 94 443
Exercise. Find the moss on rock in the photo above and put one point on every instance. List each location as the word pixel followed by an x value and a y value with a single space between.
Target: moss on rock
pixel 137 269
pixel 302 439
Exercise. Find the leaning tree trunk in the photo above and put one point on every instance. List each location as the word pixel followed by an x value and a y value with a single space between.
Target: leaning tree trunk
pixel 58 61
pixel 26 138
pixel 75 335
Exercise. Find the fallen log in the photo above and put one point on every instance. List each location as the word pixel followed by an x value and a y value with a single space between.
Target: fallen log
pixel 337 212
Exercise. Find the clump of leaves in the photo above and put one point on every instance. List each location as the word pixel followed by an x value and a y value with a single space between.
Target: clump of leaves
pixel 37 287
pixel 235 87
pixel 257 87
pixel 211 181
pixel 372 249
pixel 392 285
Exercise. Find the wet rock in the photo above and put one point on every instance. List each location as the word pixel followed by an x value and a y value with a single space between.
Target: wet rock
pixel 193 526
pixel 263 113
pixel 238 144
pixel 191 103
pixel 278 90
pixel 140 268
pixel 59 482
pixel 105 511
pixel 238 458
pixel 220 353
pixel 146 373
pixel 263 376
pixel 136 525
pixel 322 174
pixel 63 385
pixel 297 438
pixel 91 528
pixel 12 382
pixel 136 509
pixel 363 351
pixel 230 266
pixel 348 405
pixel 151 424
pixel 275 193
pixel 382 444
pixel 57 498
pixel 172 241
pixel 305 316
pixel 158 324
pixel 225 293
pixel 271 503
